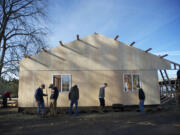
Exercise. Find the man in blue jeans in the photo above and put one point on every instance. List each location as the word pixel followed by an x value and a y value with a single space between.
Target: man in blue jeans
pixel 74 97
pixel 39 99
pixel 102 96
pixel 53 99
pixel 141 100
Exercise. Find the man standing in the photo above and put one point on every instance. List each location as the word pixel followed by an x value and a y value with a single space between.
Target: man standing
pixel 178 74
pixel 39 99
pixel 53 99
pixel 74 97
pixel 101 96
pixel 141 99
pixel 178 89
pixel 5 96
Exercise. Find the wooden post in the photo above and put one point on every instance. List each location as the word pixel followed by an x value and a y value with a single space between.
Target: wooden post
pixel 148 50
pixel 116 37
pixel 77 37
pixel 61 43
pixel 44 49
pixel 164 56
pixel 132 43
pixel 169 81
pixel 164 80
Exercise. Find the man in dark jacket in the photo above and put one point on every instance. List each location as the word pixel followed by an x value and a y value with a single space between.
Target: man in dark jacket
pixel 39 99
pixel 74 97
pixel 53 99
pixel 5 96
pixel 178 74
pixel 178 88
pixel 141 100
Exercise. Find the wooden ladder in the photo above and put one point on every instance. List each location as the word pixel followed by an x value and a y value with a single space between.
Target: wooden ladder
pixel 167 83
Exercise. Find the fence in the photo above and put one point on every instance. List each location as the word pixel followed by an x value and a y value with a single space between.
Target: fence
pixel 11 103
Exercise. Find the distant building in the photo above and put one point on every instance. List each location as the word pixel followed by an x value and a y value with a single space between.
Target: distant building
pixel 89 62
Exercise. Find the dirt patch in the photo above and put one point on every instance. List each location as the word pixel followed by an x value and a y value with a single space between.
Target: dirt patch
pixel 165 120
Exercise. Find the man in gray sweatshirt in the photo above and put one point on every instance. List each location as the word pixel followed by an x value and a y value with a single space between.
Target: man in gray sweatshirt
pixel 101 96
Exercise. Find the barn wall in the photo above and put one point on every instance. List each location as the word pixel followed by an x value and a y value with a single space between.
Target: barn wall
pixel 91 61
pixel 89 83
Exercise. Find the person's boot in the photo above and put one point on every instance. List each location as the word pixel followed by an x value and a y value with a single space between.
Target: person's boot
pixel 101 110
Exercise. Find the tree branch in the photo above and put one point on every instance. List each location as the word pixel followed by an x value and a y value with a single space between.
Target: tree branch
pixel 25 5
pixel 19 32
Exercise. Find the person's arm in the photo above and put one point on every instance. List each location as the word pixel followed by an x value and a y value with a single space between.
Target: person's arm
pixel 103 92
pixel 78 94
pixel 9 96
pixel 70 94
pixel 144 95
pixel 44 94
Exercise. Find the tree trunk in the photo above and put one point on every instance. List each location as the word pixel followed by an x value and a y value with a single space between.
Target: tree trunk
pixel 4 21
pixel 2 57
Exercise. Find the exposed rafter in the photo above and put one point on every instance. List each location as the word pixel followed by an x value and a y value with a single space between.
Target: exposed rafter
pixel 116 37
pixel 132 43
pixel 175 64
pixel 163 55
pixel 26 56
pixel 77 36
pixel 44 49
pixel 61 43
pixel 148 50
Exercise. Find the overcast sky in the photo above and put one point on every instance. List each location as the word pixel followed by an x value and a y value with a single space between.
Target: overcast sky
pixel 150 23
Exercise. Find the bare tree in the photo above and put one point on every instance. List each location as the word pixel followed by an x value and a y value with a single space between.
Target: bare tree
pixel 21 32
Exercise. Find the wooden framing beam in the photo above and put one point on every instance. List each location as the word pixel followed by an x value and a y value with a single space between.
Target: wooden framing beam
pixel 132 43
pixel 116 37
pixel 175 66
pixel 169 83
pixel 44 49
pixel 26 56
pixel 164 56
pixel 148 50
pixel 77 37
pixel 61 43
pixel 164 80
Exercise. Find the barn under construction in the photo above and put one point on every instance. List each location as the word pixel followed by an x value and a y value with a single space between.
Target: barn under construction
pixel 89 62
